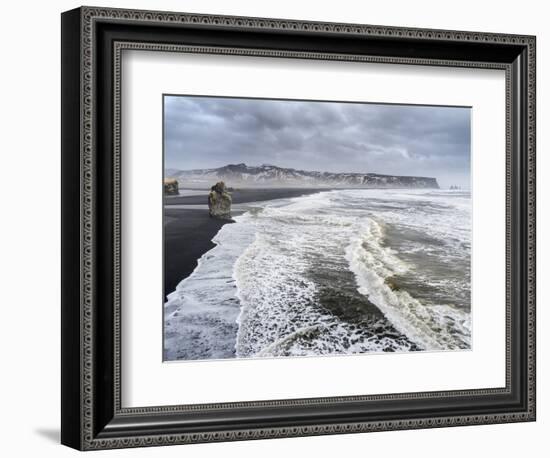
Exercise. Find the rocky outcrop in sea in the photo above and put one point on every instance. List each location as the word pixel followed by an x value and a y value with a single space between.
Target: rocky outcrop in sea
pixel 219 201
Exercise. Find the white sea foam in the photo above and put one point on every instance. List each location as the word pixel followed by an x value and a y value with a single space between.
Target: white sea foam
pixel 200 315
pixel 280 314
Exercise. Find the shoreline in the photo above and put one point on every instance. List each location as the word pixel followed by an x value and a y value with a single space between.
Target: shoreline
pixel 188 232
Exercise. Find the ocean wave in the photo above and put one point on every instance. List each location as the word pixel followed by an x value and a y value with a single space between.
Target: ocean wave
pixel 432 327
pixel 281 311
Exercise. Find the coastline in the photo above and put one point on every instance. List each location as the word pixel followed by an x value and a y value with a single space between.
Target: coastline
pixel 188 232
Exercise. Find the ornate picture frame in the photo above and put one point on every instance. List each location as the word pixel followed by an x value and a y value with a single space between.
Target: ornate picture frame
pixel 93 416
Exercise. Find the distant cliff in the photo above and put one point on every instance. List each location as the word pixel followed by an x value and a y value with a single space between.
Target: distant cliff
pixel 242 175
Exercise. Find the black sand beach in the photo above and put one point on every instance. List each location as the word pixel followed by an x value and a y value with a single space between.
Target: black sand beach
pixel 188 232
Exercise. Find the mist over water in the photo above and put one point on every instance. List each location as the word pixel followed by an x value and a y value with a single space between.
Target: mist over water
pixel 338 272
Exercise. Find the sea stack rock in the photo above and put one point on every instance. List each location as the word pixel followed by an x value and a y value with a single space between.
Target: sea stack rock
pixel 219 201
pixel 171 187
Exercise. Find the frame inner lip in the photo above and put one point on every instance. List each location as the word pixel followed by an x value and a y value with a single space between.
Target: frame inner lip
pixel 119 47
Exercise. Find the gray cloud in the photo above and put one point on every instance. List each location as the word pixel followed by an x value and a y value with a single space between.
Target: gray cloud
pixel 207 132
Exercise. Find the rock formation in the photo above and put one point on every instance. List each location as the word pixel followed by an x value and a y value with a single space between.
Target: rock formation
pixel 219 201
pixel 171 187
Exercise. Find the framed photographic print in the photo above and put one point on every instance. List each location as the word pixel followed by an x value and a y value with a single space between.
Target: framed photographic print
pixel 278 228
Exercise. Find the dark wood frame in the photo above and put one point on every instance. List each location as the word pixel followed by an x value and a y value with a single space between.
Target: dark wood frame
pixel 92 42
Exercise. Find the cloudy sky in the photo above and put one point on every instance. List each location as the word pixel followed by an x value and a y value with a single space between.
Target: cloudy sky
pixel 209 132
